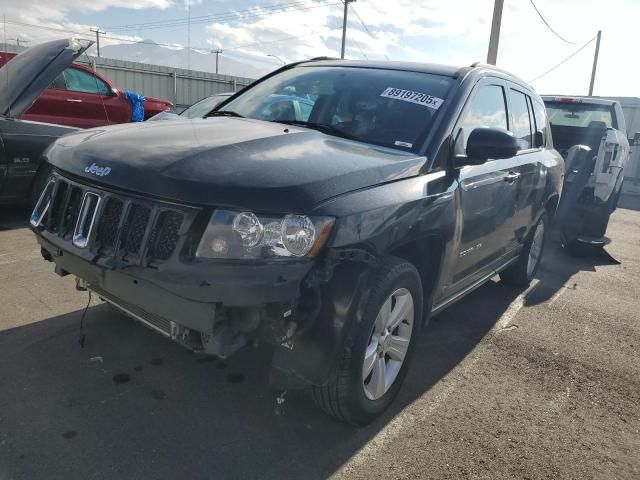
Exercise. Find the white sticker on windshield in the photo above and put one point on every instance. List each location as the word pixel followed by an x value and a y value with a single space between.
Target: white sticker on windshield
pixel 414 97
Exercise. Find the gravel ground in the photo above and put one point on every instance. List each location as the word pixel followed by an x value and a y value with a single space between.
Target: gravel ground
pixel 506 384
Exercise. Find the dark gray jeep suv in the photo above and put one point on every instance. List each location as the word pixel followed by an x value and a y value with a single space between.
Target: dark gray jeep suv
pixel 330 209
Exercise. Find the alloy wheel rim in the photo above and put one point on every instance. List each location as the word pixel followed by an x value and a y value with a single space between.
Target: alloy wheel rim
pixel 536 249
pixel 388 344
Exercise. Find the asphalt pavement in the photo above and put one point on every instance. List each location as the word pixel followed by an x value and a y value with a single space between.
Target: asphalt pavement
pixel 538 384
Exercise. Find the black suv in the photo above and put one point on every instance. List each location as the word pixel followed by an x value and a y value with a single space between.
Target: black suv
pixel 330 209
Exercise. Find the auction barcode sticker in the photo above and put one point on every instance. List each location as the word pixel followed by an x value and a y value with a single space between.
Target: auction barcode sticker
pixel 414 97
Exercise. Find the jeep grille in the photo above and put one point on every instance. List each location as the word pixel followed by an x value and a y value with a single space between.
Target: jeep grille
pixel 120 227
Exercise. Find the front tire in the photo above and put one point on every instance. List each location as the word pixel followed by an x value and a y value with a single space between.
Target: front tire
pixel 377 352
pixel 522 272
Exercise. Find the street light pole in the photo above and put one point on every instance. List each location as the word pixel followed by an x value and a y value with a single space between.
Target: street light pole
pixel 344 25
pixel 492 54
pixel 595 64
pixel 277 58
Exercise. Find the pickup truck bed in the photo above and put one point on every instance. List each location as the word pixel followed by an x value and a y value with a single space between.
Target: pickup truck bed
pixel 589 134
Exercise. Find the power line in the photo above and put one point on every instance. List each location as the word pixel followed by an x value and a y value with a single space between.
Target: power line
pixel 205 17
pixel 43 27
pixel 563 61
pixel 146 42
pixel 290 37
pixel 234 15
pixel 362 22
pixel 549 26
pixel 365 27
pixel 360 48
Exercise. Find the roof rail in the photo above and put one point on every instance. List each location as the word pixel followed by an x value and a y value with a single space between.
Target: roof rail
pixel 497 69
pixel 319 59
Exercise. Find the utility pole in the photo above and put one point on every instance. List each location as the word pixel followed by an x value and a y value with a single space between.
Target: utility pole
pixel 344 24
pixel 595 64
pixel 189 40
pixel 492 54
pixel 18 40
pixel 217 52
pixel 97 32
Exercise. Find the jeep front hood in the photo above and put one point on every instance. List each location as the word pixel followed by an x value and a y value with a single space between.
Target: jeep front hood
pixel 27 75
pixel 231 162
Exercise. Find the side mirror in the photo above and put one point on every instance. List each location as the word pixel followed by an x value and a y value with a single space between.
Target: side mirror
pixel 113 92
pixel 488 143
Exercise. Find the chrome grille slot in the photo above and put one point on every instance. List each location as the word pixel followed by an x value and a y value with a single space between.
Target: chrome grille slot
pixel 57 206
pixel 71 211
pixel 86 219
pixel 44 202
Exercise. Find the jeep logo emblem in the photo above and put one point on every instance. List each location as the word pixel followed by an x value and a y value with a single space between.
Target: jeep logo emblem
pixel 96 170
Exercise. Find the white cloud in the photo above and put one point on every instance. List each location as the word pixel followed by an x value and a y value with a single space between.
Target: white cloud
pixel 391 26
pixel 34 21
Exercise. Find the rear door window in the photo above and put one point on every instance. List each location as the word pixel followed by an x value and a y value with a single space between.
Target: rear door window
pixel 521 120
pixel 488 109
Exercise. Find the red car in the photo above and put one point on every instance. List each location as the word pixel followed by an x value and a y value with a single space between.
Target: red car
pixel 81 98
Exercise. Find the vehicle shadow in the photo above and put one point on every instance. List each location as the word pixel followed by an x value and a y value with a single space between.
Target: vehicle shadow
pixel 559 266
pixel 12 217
pixel 131 404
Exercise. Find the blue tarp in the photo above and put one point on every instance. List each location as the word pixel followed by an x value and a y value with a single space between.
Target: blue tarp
pixel 137 101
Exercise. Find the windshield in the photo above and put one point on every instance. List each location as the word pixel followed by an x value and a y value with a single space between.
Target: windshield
pixel 204 106
pixel 579 115
pixel 384 107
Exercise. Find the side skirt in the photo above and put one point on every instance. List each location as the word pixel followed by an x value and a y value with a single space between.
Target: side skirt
pixel 458 295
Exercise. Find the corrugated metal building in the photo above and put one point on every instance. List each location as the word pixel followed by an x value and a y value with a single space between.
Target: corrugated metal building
pixel 182 87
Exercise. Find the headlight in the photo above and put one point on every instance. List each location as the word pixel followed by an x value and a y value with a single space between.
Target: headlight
pixel 245 235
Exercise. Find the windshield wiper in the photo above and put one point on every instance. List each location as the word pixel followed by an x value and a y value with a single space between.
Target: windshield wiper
pixel 321 127
pixel 224 113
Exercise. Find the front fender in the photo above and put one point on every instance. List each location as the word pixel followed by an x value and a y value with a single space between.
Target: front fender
pixel 371 223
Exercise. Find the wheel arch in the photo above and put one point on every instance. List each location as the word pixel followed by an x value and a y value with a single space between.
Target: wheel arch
pixel 426 254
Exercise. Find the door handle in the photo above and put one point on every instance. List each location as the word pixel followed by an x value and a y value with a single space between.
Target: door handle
pixel 511 177
pixel 74 100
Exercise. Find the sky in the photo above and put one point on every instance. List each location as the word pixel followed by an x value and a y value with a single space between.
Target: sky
pixel 451 32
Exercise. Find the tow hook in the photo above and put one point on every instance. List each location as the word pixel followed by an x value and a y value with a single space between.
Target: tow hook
pixel 81 285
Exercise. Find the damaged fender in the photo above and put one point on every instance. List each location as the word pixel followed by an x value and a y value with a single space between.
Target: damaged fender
pixel 421 210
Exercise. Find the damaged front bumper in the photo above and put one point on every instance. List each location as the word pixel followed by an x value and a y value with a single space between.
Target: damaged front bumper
pixel 211 307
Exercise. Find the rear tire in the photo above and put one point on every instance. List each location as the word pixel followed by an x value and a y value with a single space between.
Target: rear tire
pixel 522 272
pixel 385 339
